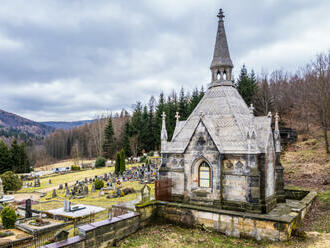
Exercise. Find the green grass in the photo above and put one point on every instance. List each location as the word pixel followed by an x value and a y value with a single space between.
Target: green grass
pixel 176 236
pixel 325 197
pixel 70 177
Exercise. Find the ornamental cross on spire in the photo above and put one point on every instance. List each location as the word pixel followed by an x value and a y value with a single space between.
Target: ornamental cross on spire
pixel 177 116
pixel 220 15
pixel 163 115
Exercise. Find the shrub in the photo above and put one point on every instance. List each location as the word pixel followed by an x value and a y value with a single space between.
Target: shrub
pixel 99 184
pixel 143 159
pixel 75 167
pixel 150 154
pixel 11 181
pixel 100 162
pixel 8 217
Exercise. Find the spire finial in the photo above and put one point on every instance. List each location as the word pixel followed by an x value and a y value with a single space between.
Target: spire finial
pixel 177 116
pixel 220 15
pixel 251 109
pixel 163 135
pixel 277 117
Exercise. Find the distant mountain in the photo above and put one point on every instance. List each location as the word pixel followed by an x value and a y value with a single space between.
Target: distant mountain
pixel 66 125
pixel 15 126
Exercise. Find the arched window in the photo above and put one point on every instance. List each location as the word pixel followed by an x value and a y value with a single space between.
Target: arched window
pixel 218 75
pixel 204 175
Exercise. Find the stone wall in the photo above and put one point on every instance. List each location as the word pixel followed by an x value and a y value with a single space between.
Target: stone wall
pixel 231 225
pixel 103 233
pixel 275 226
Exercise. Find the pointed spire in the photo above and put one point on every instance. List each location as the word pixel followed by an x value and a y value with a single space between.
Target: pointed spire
pixel 163 135
pixel 221 65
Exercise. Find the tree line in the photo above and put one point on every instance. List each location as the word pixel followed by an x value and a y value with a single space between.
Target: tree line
pixel 301 98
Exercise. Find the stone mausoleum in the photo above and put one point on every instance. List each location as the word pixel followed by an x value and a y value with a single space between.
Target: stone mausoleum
pixel 223 155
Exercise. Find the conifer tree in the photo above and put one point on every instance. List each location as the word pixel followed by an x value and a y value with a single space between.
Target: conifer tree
pixel 247 85
pixel 195 98
pixel 24 165
pixel 144 131
pixel 183 105
pixel 122 161
pixel 151 124
pixel 160 108
pixel 127 145
pixel 109 140
pixel 15 151
pixel 117 164
pixel 4 158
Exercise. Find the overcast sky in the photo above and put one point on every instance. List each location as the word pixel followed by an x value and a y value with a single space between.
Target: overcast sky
pixel 73 60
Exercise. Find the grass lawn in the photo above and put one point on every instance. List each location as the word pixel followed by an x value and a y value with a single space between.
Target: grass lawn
pixel 70 177
pixel 93 198
pixel 167 235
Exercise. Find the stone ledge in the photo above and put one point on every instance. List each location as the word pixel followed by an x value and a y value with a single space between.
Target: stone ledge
pixel 282 213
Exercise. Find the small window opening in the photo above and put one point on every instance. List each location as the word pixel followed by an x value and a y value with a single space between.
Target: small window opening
pixel 218 75
pixel 224 75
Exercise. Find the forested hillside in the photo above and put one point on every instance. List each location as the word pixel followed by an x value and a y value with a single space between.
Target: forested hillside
pixel 13 126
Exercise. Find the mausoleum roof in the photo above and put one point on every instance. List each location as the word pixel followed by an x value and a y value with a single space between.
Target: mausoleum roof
pixel 227 119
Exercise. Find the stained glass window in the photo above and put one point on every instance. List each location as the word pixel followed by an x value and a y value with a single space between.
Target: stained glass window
pixel 204 175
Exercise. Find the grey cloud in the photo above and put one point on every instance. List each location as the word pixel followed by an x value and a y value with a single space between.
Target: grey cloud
pixel 69 60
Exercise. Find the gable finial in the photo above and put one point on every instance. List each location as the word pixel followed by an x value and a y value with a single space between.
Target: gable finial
pixel 251 109
pixel 220 15
pixel 163 135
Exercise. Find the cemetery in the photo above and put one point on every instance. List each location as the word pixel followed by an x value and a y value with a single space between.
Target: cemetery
pixel 221 172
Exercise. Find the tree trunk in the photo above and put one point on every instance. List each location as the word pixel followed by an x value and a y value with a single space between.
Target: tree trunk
pixel 325 132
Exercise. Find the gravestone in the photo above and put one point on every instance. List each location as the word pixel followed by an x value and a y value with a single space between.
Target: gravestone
pixel 67 206
pixel 86 190
pixel 93 188
pixel 101 193
pixel 54 193
pixel 144 195
pixel 49 181
pixel 60 187
pixel 28 209
pixel 67 192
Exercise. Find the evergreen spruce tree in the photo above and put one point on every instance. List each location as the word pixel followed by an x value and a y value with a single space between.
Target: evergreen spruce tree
pixel 4 158
pixel 109 140
pixel 183 105
pixel 247 85
pixel 117 164
pixel 152 125
pixel 15 156
pixel 122 161
pixel 24 163
pixel 144 131
pixel 170 110
pixel 137 125
pixel 127 145
pixel 160 108
pixel 195 98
